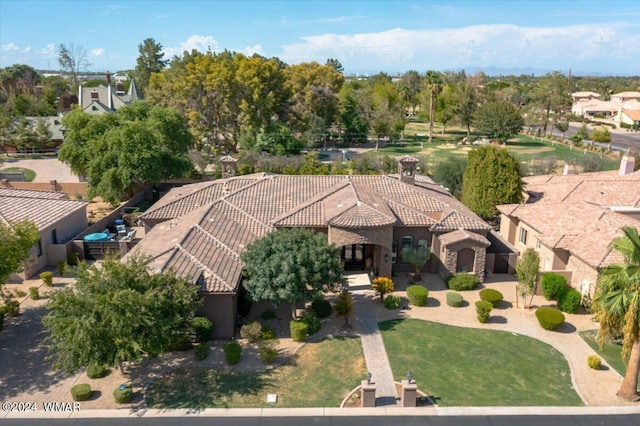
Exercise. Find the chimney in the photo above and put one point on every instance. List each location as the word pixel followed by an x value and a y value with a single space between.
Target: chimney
pixel 627 165
pixel 80 96
pixel 568 170
pixel 4 183
pixel 407 169
pixel 108 77
pixel 53 185
pixel 109 101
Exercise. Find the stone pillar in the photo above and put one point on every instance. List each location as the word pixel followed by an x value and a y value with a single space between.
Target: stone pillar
pixel 4 183
pixel 409 393
pixel 368 394
pixel 52 185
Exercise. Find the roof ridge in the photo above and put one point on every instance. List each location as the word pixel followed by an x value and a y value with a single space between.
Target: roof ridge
pixel 315 199
pixel 267 227
pixel 181 198
pixel 217 242
pixel 199 264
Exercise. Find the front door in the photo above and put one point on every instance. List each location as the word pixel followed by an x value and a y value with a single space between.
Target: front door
pixel 353 256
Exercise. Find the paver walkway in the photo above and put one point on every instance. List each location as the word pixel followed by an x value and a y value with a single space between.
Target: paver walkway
pixel 375 354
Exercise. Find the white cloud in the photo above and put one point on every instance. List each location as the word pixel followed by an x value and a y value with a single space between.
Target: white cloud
pixel 197 42
pixel 11 47
pixel 479 45
pixel 250 50
pixel 98 51
pixel 26 49
pixel 49 49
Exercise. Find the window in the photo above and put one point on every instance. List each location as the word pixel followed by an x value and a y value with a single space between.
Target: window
pixel 523 236
pixel 54 237
pixel 39 248
pixel 538 245
pixel 394 252
pixel 407 244
pixel 423 244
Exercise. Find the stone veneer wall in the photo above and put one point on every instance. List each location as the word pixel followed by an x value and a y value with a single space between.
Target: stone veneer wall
pixel 450 261
pixel 379 236
pixel 581 273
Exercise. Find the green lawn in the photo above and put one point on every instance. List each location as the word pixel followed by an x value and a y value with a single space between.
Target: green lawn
pixel 474 367
pixel 321 374
pixel 29 174
pixel 610 353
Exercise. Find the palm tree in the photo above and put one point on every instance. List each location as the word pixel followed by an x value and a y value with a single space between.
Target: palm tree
pixel 617 306
pixel 433 81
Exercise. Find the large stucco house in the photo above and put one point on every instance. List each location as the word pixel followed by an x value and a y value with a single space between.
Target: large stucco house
pixel 570 220
pixel 106 98
pixel 58 220
pixel 200 230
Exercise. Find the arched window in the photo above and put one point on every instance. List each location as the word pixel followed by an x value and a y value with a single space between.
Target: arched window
pixel 423 244
pixel 407 244
pixel 394 252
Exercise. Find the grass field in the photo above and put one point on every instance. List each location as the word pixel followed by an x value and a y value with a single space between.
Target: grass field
pixel 474 367
pixel 29 174
pixel 321 374
pixel 610 352
pixel 524 148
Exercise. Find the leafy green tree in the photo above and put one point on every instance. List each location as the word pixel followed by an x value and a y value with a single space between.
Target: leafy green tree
pixel 335 64
pixel 562 126
pixel 617 306
pixel 353 125
pixel 139 144
pixel 449 173
pixel 410 88
pixel 601 134
pixel 417 257
pixel 16 241
pixel 581 134
pixel 445 110
pixel 527 272
pixel 498 120
pixel 290 265
pixel 492 177
pixel 118 313
pixel 149 62
pixel 551 94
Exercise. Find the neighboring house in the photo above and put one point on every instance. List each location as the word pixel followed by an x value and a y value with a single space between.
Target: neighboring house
pixel 580 96
pixel 629 116
pixel 105 98
pixel 591 108
pixel 54 124
pixel 200 230
pixel 58 220
pixel 625 96
pixel 570 220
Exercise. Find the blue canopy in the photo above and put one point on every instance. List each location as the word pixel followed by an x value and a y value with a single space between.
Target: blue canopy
pixel 99 236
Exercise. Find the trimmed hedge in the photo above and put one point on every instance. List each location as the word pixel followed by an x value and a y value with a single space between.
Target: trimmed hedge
pixel 34 294
pixel 552 284
pixel 252 331
pixel 492 296
pixel 123 394
pixel 268 352
pixel 202 328
pixel 61 267
pixel 81 392
pixel 462 282
pixel 483 310
pixel 569 300
pixel 96 371
pixel 47 278
pixel 454 299
pixel 549 318
pixel 232 352
pixel 321 307
pixel 299 330
pixel 201 351
pixel 268 333
pixel 313 322
pixel 73 259
pixel 417 295
pixel 392 302
pixel 594 361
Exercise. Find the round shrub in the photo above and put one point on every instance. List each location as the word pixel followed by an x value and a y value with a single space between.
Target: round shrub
pixel 417 295
pixel 34 294
pixel 321 307
pixel 454 299
pixel 202 328
pixel 181 343
pixel 252 331
pixel 96 371
pixel 549 318
pixel 552 284
pixel 61 267
pixel 47 278
pixel 232 352
pixel 299 330
pixel 268 333
pixel 392 302
pixel 462 282
pixel 123 394
pixel 11 307
pixel 268 352
pixel 81 392
pixel 594 361
pixel 483 310
pixel 201 351
pixel 312 321
pixel 492 296
pixel 569 300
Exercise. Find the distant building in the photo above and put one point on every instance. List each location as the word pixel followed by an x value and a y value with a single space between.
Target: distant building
pixel 105 98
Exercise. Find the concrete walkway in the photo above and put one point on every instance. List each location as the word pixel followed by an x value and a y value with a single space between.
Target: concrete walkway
pixel 373 348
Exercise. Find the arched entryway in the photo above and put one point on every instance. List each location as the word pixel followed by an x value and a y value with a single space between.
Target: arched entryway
pixel 466 260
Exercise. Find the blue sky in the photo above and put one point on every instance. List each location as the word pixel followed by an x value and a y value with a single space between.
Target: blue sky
pixel 365 36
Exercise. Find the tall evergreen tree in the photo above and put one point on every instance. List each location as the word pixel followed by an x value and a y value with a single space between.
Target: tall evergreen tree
pixel 492 177
pixel 149 62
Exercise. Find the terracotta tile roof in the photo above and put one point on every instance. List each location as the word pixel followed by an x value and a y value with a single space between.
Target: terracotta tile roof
pixel 461 235
pixel 206 237
pixel 43 208
pixel 633 114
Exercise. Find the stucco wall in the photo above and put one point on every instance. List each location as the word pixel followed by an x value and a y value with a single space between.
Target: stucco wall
pixel 583 276
pixel 221 309
pixel 417 233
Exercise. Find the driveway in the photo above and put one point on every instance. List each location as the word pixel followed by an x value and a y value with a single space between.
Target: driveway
pixel 46 169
